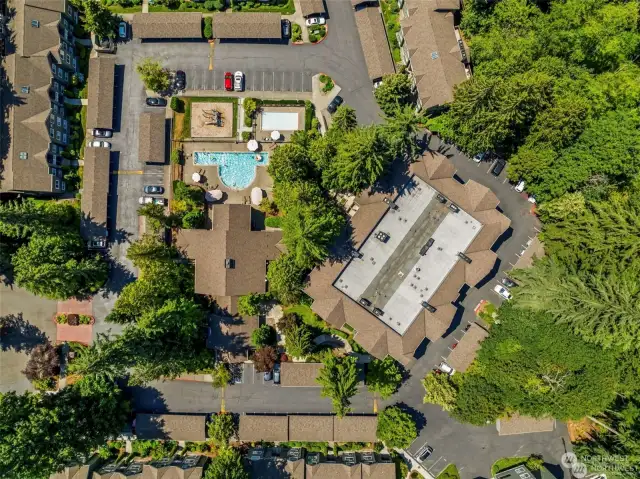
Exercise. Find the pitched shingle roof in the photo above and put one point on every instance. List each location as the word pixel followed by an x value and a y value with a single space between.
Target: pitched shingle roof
pixel 310 428
pixel 517 424
pixel 167 25
pixel 229 239
pixel 95 192
pixel 263 428
pixel 45 37
pixel 465 352
pixel 100 92
pixel 247 25
pixel 151 132
pixel 435 56
pixel 299 374
pixel 177 427
pixel 311 7
pixel 329 470
pixel 379 470
pixel 355 428
pixel 295 469
pixel 373 38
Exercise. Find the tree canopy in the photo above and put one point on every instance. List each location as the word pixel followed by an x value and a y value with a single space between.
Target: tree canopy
pixel 395 91
pixel 396 428
pixel 153 75
pixel 383 376
pixel 228 464
pixel 339 381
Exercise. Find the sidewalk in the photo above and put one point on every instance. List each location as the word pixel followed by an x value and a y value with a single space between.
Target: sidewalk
pixel 299 19
pixel 145 6
pixel 263 95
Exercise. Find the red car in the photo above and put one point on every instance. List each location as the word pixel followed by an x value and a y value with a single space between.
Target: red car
pixel 228 81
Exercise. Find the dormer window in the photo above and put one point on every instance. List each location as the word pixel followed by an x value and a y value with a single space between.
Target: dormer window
pixel 35 23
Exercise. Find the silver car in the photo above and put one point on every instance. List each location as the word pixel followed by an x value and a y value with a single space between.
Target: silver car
pixel 99 144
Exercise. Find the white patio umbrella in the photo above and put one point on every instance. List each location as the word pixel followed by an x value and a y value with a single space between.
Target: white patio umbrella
pixel 275 135
pixel 196 177
pixel 213 195
pixel 256 196
pixel 252 145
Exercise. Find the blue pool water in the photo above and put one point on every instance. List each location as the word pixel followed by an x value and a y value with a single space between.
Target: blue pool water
pixel 236 169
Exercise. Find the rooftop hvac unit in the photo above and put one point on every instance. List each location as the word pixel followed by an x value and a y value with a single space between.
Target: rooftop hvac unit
pixel 356 254
pixel 229 263
pixel 441 199
pixel 382 236
pixel 378 312
pixel 426 247
pixel 454 208
pixel 390 203
pixel 464 258
pixel 428 307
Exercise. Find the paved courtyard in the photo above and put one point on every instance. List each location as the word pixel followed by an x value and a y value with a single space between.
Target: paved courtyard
pixel 28 322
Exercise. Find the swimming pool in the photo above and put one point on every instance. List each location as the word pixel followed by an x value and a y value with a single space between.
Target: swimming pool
pixel 279 120
pixel 236 169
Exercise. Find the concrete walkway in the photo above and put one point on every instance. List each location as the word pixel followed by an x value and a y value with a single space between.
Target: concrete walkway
pixel 145 6
pixel 76 101
pixel 297 17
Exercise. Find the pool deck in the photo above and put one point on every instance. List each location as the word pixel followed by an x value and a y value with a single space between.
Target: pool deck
pixel 261 134
pixel 211 180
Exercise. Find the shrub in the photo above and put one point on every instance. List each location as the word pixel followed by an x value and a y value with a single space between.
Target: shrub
pixel 327 82
pixel 249 304
pixel 176 157
pixel 296 32
pixel 193 219
pixel 85 319
pixel 250 105
pixel 246 135
pixel 208 29
pixel 61 318
pixel 212 5
pixel 265 335
pixel 268 207
pixel 177 104
pixel 313 38
pixel 46 384
pixel 43 363
pixel 273 221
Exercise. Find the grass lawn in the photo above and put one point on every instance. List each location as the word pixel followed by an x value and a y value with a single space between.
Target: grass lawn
pixel 186 119
pixel 119 9
pixel 307 316
pixel 391 16
pixel 287 8
pixel 449 472
pixel 507 463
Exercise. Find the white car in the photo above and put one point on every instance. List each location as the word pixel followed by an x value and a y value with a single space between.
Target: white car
pixel 479 157
pixel 145 200
pixel 445 368
pixel 99 144
pixel 520 186
pixel 502 291
pixel 238 81
pixel 315 21
pixel 532 199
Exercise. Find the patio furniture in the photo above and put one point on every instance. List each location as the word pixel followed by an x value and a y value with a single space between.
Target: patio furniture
pixel 196 177
pixel 213 195
pixel 256 196
pixel 275 135
pixel 252 145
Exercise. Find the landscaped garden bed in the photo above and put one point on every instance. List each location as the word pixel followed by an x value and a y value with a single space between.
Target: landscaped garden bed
pixel 317 33
pixel 72 319
pixel 327 83
pixel 391 16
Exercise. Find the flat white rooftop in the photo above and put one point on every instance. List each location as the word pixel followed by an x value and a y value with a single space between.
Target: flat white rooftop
pixel 394 276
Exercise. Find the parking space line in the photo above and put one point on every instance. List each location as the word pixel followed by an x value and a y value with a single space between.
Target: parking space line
pixel 273 83
pixel 263 80
pixel 282 84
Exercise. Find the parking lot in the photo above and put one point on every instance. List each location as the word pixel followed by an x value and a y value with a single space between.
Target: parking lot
pixel 201 78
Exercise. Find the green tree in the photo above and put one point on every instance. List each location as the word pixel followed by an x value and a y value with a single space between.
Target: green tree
pixel 95 407
pixel 21 219
pixel 339 381
pixel 288 163
pixel 99 20
pixel 395 91
pixel 222 427
pixel 396 428
pixel 440 389
pixel 286 279
pixel 265 335
pixel 292 195
pixel 228 464
pixel 221 376
pixel 156 217
pixel 400 130
pixel 298 341
pixel 58 267
pixel 153 76
pixel 361 159
pixel 309 231
pixel 249 304
pixel 383 377
pixel 207 32
pixel 344 120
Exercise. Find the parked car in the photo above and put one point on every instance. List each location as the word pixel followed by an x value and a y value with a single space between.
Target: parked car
pixel 153 190
pixel 498 167
pixel 122 29
pixel 145 200
pixel 445 368
pixel 424 455
pixel 228 81
pixel 335 103
pixel 181 80
pixel 276 374
pixel 286 28
pixel 315 21
pixel 502 291
pixel 509 283
pixel 153 101
pixel 102 133
pixel 99 144
pixel 238 81
pixel 268 376
pixel 480 157
pixel 520 186
pixel 531 199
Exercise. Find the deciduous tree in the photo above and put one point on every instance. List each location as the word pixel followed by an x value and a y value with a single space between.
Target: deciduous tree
pixel 298 341
pixel 395 91
pixel 440 389
pixel 265 335
pixel 396 428
pixel 265 358
pixel 384 377
pixel 222 427
pixel 228 464
pixel 153 75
